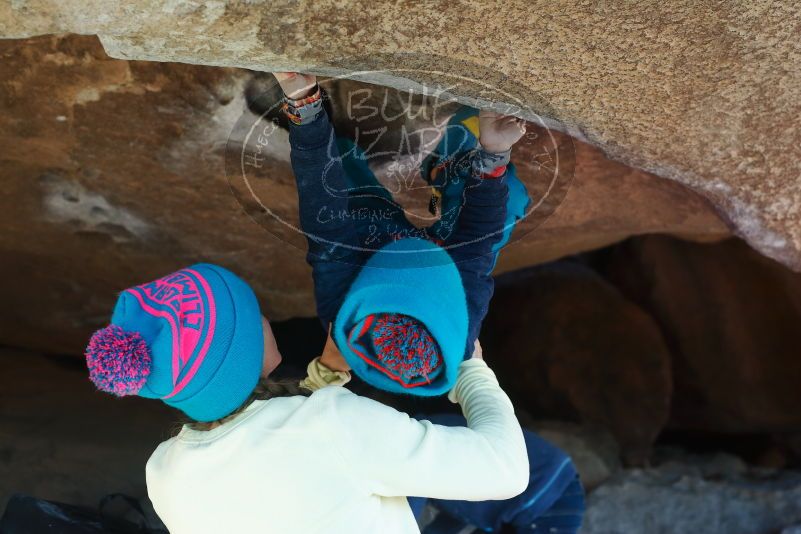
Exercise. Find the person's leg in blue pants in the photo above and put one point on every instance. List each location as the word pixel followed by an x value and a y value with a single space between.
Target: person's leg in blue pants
pixel 553 502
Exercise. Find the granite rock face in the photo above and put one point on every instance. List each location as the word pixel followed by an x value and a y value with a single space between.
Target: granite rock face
pixel 64 440
pixel 715 495
pixel 730 318
pixel 113 173
pixel 704 93
pixel 571 346
pixel 112 176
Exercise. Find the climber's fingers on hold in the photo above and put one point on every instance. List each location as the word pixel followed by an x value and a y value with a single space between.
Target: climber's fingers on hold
pixel 283 76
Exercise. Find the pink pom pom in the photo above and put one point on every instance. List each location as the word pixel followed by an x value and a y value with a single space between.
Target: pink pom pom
pixel 118 361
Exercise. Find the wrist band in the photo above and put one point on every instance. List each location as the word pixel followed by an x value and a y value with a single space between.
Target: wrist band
pixel 490 165
pixel 303 110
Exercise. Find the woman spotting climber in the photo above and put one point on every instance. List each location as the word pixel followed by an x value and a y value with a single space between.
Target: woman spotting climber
pixel 312 456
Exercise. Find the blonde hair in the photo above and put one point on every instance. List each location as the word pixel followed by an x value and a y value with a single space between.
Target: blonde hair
pixel 265 389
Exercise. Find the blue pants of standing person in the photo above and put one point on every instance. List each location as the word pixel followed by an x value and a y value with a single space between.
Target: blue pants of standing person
pixel 553 502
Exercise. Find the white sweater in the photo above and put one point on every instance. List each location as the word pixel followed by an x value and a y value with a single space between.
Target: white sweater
pixel 336 462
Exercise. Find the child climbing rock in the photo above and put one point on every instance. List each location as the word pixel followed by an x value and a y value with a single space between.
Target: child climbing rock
pixel 263 457
pixel 403 305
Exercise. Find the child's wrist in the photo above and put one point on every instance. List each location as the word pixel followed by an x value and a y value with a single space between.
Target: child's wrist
pixel 319 375
pixel 488 164
pixel 297 100
pixel 304 110
pixel 494 149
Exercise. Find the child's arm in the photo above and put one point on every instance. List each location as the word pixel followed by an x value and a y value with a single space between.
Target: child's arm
pixel 333 251
pixel 481 221
pixel 395 455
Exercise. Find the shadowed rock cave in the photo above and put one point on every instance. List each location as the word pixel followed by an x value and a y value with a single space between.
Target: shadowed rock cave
pixel 636 321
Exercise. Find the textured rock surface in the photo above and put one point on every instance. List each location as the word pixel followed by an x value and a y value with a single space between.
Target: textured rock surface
pixel 730 318
pixel 710 495
pixel 571 346
pixel 705 93
pixel 62 440
pixel 113 173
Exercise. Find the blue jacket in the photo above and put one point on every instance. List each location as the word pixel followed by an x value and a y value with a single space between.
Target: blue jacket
pixel 337 253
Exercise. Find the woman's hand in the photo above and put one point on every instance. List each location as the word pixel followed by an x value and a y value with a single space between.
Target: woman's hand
pixel 499 132
pixel 296 85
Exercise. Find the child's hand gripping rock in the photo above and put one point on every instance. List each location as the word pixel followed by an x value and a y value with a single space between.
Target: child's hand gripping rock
pixel 499 132
pixel 295 84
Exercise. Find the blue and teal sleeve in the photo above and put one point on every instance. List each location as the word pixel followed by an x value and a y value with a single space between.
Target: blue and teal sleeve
pixel 479 227
pixel 333 248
